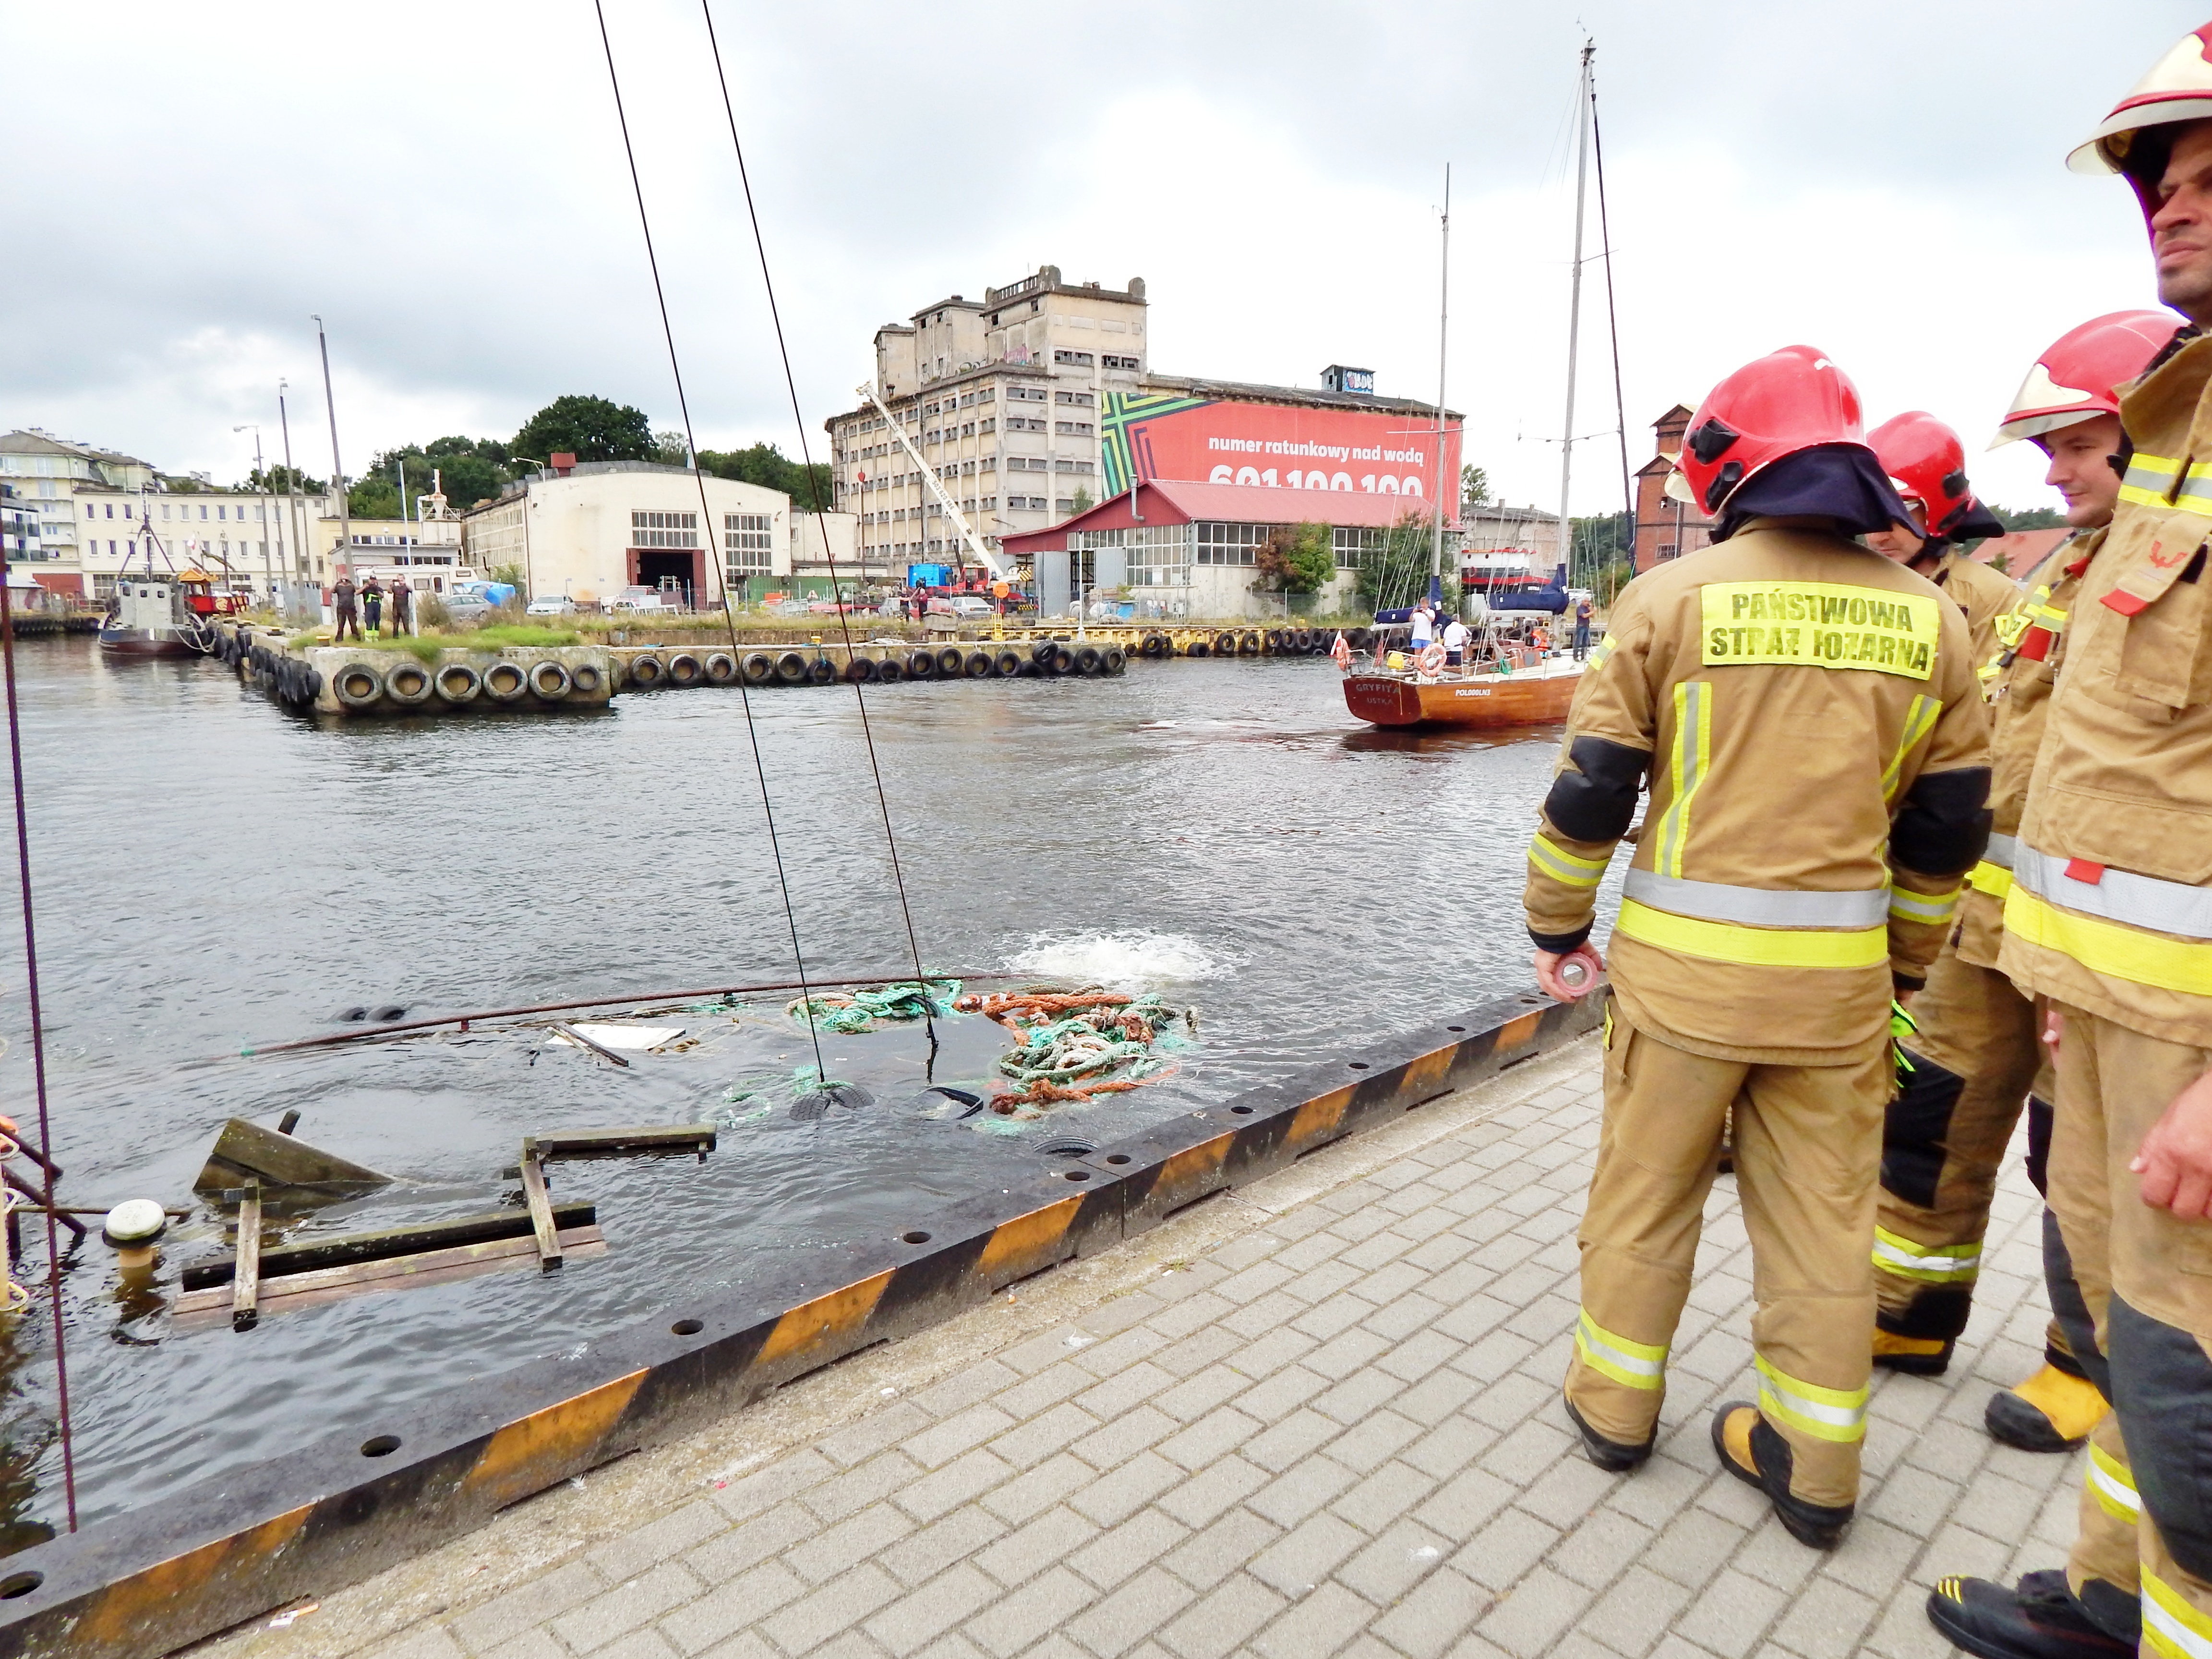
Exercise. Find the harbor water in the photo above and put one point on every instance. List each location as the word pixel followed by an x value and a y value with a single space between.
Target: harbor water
pixel 214 874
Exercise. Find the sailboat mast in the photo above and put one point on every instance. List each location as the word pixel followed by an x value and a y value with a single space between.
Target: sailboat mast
pixel 1443 323
pixel 1575 303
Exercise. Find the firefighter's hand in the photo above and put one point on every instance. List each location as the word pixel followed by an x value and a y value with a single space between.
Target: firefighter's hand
pixel 2054 1028
pixel 1549 962
pixel 2175 1159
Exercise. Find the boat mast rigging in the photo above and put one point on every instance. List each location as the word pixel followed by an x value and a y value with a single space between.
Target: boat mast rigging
pixel 1574 304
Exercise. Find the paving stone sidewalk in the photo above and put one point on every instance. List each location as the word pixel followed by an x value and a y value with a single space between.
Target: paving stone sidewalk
pixel 1341 1434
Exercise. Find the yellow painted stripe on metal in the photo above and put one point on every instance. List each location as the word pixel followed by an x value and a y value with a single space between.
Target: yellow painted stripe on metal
pixel 1991 878
pixel 1194 1162
pixel 2109 947
pixel 532 1453
pixel 1753 947
pixel 1919 720
pixel 1837 1415
pixel 843 1310
pixel 1931 1264
pixel 1021 1241
pixel 1688 759
pixel 118 1614
pixel 1632 1364
pixel 2170 1626
pixel 1517 1031
pixel 1571 868
pixel 2112 1484
pixel 1319 1117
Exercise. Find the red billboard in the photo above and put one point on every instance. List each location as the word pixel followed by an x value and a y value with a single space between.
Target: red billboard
pixel 1208 441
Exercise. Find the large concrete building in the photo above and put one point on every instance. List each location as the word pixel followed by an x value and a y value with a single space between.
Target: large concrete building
pixel 1666 528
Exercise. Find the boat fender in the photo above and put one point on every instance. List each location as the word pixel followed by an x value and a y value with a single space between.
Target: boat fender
pixel 683 669
pixel 791 668
pixel 1197 648
pixel 977 664
pixel 1154 646
pixel 645 669
pixel 890 669
pixel 1301 640
pixel 1029 670
pixel 1041 651
pixel 759 667
pixel 1086 660
pixel 1273 641
pixel 550 680
pixel 359 686
pixel 314 681
pixel 586 679
pixel 503 681
pixel 1007 664
pixel 408 683
pixel 1248 644
pixel 721 668
pixel 861 670
pixel 1063 660
pixel 922 665
pixel 949 661
pixel 1113 659
pixel 822 671
pixel 458 683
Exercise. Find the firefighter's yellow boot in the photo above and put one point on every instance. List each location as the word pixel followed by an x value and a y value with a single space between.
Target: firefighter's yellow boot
pixel 2053 1410
pixel 1753 1453
pixel 1915 1355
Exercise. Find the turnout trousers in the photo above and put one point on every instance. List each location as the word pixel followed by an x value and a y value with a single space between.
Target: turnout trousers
pixel 1807 1139
pixel 1969 1070
pixel 2132 1285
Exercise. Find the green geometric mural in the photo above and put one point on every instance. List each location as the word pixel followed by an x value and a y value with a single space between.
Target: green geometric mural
pixel 1122 411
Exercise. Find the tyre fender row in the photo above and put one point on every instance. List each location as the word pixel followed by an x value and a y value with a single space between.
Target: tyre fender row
pixel 411 684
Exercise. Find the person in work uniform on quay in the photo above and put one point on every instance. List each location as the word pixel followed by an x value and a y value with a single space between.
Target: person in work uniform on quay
pixel 1928 464
pixel 1808 717
pixel 2109 920
pixel 1974 1056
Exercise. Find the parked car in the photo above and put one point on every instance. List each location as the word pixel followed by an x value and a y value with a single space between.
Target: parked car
pixel 467 606
pixel 966 606
pixel 556 605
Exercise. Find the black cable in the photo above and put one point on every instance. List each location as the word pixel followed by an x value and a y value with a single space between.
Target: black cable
pixel 707 527
pixel 38 1047
pixel 1612 323
pixel 805 457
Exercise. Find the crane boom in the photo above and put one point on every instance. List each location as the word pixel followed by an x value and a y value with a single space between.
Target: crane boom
pixel 996 563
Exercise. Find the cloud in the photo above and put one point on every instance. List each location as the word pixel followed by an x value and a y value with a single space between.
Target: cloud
pixel 446 186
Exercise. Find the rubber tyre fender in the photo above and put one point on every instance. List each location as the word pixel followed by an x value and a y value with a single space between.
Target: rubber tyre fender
pixel 922 665
pixel 683 670
pixel 950 661
pixel 1042 653
pixel 822 671
pixel 1248 643
pixel 1224 645
pixel 1155 645
pixel 1029 670
pixel 359 686
pixel 409 685
pixel 976 665
pixel 1086 660
pixel 759 668
pixel 1063 660
pixel 861 670
pixel 890 670
pixel 791 668
pixel 1113 659
pixel 458 683
pixel 551 681
pixel 1198 648
pixel 720 668
pixel 505 681
pixel 312 679
pixel 1272 641
pixel 647 669
pixel 586 677
pixel 1007 664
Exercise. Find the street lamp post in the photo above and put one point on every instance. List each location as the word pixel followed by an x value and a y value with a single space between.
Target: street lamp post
pixel 268 578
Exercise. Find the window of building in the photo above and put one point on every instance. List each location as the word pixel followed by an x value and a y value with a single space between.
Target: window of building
pixel 664 529
pixel 1666 550
pixel 1033 394
pixel 983 426
pixel 1064 504
pixel 1109 360
pixel 1072 428
pixel 746 543
pixel 985 396
pixel 1081 399
pixel 110 509
pixel 1063 465
pixel 202 512
pixel 968 429
pixel 1230 543
pixel 220 511
pixel 1074 359
pixel 126 509
pixel 1349 543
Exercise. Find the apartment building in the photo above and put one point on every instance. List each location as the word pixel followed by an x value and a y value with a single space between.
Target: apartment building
pixel 1666 528
pixel 1003 397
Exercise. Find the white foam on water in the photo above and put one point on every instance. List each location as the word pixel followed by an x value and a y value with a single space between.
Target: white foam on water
pixel 1139 959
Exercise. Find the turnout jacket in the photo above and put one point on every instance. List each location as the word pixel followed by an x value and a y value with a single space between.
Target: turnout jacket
pixel 1808 717
pixel 1984 595
pixel 2021 678
pixel 2110 903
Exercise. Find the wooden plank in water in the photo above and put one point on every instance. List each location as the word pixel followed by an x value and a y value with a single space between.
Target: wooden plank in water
pixel 541 1207
pixel 245 1149
pixel 668 1137
pixel 340 1249
pixel 198 1310
pixel 246 1277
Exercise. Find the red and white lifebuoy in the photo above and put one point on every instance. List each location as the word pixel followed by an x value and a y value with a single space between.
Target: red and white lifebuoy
pixel 1431 659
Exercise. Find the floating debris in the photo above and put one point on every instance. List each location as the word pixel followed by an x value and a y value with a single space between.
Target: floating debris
pixel 1076 1044
pixel 245 1152
pixel 941 1103
pixel 633 1039
pixel 853 1011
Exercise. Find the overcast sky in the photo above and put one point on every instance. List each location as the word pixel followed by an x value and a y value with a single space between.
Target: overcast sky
pixel 445 183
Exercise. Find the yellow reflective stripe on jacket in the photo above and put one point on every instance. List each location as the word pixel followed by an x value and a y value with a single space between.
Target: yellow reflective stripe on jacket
pixel 1991 878
pixel 1838 1414
pixel 1754 947
pixel 1637 1365
pixel 1554 860
pixel 2157 481
pixel 2110 948
pixel 1929 909
pixel 2170 1626
pixel 2112 1484
pixel 1598 654
pixel 1919 720
pixel 1686 765
pixel 1931 1264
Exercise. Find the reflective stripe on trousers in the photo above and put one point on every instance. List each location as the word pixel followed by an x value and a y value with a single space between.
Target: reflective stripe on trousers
pixel 2170 1626
pixel 1838 1414
pixel 1636 1364
pixel 1942 1264
pixel 2110 1484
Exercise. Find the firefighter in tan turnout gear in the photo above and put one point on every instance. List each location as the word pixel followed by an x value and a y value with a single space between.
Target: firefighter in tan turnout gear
pixel 1974 1057
pixel 1928 465
pixel 1807 714
pixel 2109 920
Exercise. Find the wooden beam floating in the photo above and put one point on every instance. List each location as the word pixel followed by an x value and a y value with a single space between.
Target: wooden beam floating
pixel 338 1249
pixel 245 1152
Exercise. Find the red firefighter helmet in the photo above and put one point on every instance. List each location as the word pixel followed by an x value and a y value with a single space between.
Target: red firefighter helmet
pixel 1789 400
pixel 2072 380
pixel 2179 88
pixel 1927 462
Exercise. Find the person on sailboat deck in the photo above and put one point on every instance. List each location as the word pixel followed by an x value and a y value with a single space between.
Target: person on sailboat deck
pixel 1582 628
pixel 1806 715
pixel 1455 643
pixel 1424 627
pixel 1928 464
